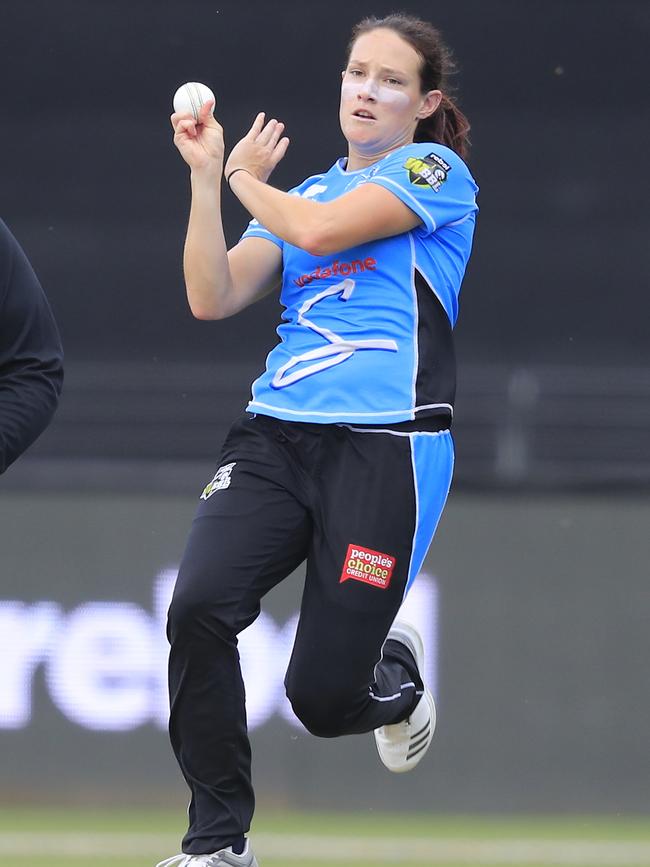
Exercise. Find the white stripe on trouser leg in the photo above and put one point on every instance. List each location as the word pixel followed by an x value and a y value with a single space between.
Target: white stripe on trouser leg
pixel 391 697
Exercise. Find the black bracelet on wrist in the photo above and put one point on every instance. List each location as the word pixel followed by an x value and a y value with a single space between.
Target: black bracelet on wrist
pixel 237 170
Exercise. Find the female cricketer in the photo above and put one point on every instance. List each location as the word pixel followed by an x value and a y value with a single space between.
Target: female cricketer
pixel 344 455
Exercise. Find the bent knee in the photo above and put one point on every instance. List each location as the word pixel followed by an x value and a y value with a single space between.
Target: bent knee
pixel 322 714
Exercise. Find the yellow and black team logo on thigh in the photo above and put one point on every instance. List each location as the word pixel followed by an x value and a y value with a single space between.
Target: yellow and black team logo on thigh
pixel 430 171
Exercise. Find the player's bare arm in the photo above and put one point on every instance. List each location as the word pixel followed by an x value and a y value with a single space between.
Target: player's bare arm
pixel 219 283
pixel 365 214
pixel 321 228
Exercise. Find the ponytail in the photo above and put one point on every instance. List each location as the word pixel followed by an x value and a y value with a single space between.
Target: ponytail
pixel 448 126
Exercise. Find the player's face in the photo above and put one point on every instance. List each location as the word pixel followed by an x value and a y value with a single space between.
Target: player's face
pixel 381 98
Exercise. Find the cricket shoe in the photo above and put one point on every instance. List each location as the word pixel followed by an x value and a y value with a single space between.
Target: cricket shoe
pixel 402 745
pixel 222 858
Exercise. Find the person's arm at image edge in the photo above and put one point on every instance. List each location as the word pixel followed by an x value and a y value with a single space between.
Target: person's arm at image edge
pixel 31 357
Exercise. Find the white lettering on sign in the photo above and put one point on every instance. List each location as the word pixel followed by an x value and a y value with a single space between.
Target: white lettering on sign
pixel 105 663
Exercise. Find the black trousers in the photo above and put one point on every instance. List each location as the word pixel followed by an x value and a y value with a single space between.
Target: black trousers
pixel 346 502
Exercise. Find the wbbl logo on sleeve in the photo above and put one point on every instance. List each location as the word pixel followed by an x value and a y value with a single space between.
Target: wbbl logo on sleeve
pixel 430 171
pixel 220 481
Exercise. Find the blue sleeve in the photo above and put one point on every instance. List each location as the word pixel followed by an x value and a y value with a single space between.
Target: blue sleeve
pixel 432 180
pixel 256 230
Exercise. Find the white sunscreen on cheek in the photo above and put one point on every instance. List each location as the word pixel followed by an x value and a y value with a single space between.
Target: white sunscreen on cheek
pixel 379 92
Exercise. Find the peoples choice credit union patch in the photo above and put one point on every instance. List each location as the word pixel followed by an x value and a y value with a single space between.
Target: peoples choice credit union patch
pixel 368 566
pixel 430 171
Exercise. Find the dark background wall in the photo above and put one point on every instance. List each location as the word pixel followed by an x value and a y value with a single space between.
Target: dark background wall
pixel 556 91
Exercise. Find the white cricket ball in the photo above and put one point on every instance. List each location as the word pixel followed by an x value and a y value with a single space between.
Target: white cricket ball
pixel 189 98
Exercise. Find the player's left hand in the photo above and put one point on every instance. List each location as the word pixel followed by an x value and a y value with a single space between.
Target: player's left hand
pixel 260 150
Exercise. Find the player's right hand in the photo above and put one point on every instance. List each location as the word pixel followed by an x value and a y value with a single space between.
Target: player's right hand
pixel 200 142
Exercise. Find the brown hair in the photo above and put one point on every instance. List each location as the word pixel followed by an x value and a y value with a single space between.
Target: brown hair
pixel 447 125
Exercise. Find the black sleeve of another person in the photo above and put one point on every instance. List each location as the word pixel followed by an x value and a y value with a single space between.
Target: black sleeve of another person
pixel 31 357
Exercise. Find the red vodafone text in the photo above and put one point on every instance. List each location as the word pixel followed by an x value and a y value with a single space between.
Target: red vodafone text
pixel 368 566
pixel 336 268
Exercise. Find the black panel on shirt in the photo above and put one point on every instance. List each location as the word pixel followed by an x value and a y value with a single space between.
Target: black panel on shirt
pixel 436 377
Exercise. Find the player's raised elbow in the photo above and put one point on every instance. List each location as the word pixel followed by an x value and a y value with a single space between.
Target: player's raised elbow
pixel 207 303
pixel 206 311
pixel 205 314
